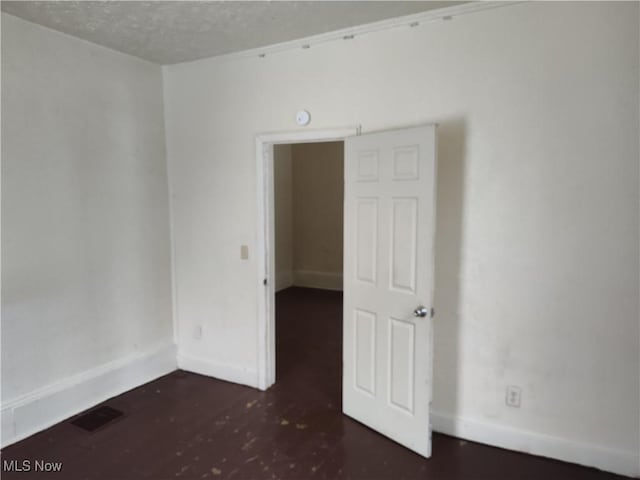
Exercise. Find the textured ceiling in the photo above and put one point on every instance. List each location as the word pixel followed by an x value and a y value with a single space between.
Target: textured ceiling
pixel 177 31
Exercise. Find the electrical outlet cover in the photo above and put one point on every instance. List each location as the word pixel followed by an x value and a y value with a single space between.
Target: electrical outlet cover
pixel 513 397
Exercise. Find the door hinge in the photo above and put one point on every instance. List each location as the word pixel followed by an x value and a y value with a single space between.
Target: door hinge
pixel 264 282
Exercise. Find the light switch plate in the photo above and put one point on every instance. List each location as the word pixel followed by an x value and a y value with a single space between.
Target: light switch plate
pixel 244 252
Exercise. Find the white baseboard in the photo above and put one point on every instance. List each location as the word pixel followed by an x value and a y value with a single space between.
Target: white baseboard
pixel 616 461
pixel 44 407
pixel 322 280
pixel 283 280
pixel 210 368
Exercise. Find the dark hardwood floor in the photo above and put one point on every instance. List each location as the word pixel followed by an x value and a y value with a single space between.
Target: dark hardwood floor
pixel 190 427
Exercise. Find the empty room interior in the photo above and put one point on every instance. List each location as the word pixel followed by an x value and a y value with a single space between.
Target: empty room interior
pixel 317 239
pixel 308 220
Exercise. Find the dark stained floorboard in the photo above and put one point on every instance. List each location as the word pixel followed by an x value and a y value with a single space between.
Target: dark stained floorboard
pixel 186 426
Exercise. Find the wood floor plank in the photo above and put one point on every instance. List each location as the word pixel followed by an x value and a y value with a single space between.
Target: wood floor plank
pixel 187 426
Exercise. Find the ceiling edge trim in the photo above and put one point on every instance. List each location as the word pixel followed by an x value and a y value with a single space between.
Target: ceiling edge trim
pixel 387 24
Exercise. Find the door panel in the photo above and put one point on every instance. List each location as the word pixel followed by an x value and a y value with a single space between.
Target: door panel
pixel 367 239
pixel 388 273
pixel 403 248
pixel 365 347
pixel 401 381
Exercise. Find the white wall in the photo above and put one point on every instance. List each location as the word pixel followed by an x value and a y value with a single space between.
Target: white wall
pixel 318 198
pixel 537 234
pixel 283 213
pixel 86 298
pixel 308 201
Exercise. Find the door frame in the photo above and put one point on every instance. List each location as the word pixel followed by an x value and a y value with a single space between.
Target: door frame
pixel 265 242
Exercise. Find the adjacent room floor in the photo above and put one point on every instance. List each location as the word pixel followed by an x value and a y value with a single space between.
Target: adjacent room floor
pixel 190 426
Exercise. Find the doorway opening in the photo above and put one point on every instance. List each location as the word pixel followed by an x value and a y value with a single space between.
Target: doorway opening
pixel 387 345
pixel 266 245
pixel 308 220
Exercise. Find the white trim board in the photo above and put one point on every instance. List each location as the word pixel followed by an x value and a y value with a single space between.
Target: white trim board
pixel 265 244
pixel 321 280
pixel 284 280
pixel 346 34
pixel 532 443
pixel 219 371
pixel 44 407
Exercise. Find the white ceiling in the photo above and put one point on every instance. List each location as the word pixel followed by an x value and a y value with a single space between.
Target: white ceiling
pixel 176 31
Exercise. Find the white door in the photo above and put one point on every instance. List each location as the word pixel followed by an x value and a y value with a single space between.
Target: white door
pixel 389 218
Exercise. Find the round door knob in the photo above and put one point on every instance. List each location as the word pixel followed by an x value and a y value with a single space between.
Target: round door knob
pixel 421 311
